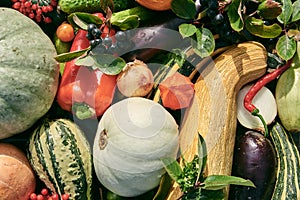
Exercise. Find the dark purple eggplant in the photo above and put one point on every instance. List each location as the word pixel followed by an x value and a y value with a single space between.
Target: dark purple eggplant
pixel 254 159
pixel 160 36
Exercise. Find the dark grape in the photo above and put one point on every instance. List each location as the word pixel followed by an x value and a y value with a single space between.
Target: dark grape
pixel 96 32
pixel 107 41
pixel 89 36
pixel 120 36
pixel 219 18
pixel 95 42
pixel 91 27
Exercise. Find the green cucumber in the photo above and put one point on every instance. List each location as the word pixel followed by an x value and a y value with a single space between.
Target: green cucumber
pixel 71 6
pixel 287 184
pixel 60 155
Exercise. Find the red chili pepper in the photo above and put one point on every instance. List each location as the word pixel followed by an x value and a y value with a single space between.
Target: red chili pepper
pixel 82 90
pixel 256 88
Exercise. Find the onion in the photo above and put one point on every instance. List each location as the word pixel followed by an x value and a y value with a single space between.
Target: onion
pixel 136 79
pixel 264 100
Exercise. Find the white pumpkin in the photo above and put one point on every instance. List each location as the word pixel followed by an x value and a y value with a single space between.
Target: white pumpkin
pixel 132 137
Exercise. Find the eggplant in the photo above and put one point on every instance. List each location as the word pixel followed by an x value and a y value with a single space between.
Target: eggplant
pixel 160 36
pixel 148 41
pixel 254 159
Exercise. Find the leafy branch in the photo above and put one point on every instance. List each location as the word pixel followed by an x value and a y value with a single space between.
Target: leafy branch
pixel 192 181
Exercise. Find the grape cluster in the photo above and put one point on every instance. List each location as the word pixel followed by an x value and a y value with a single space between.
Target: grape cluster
pixel 35 9
pixel 219 20
pixel 108 41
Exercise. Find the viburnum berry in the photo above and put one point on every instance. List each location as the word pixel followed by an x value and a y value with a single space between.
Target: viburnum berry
pixel 40 197
pixel 47 20
pixel 65 197
pixel 17 5
pixel 35 9
pixel 44 191
pixel 33 196
pixel 55 197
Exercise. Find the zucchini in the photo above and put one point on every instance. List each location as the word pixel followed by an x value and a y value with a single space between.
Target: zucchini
pixel 60 155
pixel 287 185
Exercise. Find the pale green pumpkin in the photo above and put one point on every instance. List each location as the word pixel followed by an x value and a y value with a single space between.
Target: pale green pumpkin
pixel 28 72
pixel 132 137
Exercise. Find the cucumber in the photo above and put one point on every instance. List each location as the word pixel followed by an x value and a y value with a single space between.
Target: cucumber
pixel 70 6
pixel 287 184
pixel 60 155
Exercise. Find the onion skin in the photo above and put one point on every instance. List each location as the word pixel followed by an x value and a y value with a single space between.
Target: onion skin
pixel 288 99
pixel 136 79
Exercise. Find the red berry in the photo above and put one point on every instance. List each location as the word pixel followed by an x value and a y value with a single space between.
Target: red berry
pixel 14 1
pixel 17 5
pixel 23 1
pixel 27 4
pixel 34 6
pixel 28 10
pixel 65 197
pixel 49 8
pixel 31 15
pixel 44 9
pixel 39 11
pixel 38 18
pixel 55 197
pixel 47 20
pixel 44 191
pixel 33 196
pixel 40 197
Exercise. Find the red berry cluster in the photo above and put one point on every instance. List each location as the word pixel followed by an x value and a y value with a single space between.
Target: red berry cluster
pixel 35 9
pixel 45 195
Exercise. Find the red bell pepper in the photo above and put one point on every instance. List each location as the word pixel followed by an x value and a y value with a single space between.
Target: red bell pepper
pixel 84 91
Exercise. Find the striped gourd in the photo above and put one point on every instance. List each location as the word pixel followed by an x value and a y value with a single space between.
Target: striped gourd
pixel 61 156
pixel 287 185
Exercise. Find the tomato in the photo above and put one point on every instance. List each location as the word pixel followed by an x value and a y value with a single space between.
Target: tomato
pixel 65 32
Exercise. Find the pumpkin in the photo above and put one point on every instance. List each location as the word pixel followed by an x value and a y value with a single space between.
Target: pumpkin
pixel 29 72
pixel 288 98
pixel 133 136
pixel 17 180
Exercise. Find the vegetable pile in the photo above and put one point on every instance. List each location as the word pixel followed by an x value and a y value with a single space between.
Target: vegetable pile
pixel 99 99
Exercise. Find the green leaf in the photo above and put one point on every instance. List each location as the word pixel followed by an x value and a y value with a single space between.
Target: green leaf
pixel 65 57
pixel 128 22
pixel 286 13
pixel 81 20
pixel 286 47
pixel 187 30
pixel 129 17
pixel 296 9
pixel 216 182
pixel 185 9
pixel 108 64
pixel 269 9
pixel 258 28
pixel 203 42
pixel 85 61
pixel 172 167
pixel 235 15
pixel 202 154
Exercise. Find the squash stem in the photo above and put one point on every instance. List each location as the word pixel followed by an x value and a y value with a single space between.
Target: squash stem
pixel 256 113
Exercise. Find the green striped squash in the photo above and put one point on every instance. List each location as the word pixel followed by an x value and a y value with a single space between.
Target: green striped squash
pixel 287 185
pixel 61 156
